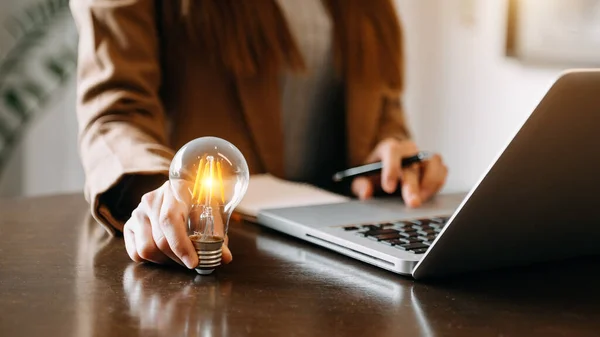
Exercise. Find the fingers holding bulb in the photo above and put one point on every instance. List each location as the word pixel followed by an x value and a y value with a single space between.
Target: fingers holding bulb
pixel 139 242
pixel 130 243
pixel 163 244
pixel 146 247
pixel 172 223
pixel 157 231
pixel 154 211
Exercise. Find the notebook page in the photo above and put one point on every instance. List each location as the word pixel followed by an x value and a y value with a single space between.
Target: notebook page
pixel 266 191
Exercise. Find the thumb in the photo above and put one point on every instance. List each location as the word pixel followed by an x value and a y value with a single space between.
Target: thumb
pixel 362 187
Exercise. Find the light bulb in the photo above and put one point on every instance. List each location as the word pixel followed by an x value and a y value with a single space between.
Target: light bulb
pixel 211 176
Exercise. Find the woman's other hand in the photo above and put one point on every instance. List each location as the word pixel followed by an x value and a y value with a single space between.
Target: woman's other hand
pixel 419 182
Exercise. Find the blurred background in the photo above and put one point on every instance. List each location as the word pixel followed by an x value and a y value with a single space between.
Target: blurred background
pixel 38 126
pixel 475 71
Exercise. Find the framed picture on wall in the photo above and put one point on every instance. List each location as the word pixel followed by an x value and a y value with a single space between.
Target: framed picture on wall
pixel 558 32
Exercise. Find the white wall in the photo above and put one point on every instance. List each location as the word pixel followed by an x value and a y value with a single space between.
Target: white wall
pixel 465 98
pixel 46 160
pixel 50 160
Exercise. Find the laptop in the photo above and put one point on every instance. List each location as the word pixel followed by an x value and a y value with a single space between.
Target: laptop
pixel 537 202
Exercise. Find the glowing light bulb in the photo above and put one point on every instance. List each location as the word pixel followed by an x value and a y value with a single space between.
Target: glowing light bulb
pixel 211 176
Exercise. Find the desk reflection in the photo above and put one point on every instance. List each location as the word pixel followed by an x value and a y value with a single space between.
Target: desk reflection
pixel 175 307
pixel 388 292
pixel 275 285
pixel 162 301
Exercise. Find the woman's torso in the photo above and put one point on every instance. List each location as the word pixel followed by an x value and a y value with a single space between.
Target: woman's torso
pixel 310 104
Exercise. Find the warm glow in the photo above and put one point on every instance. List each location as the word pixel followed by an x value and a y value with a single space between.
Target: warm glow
pixel 209 179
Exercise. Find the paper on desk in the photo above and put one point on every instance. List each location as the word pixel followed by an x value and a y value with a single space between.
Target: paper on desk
pixel 266 191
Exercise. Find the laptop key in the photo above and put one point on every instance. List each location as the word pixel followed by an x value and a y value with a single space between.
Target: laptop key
pixel 438 228
pixel 407 229
pixel 419 251
pixel 411 246
pixel 422 227
pixel 392 242
pixel 371 227
pixel 402 227
pixel 378 232
pixel 409 240
pixel 426 237
pixel 350 228
pixel 426 232
pixel 409 234
pixel 386 225
pixel 389 236
pixel 425 222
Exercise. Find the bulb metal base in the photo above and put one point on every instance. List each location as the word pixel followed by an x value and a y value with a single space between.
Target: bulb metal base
pixel 210 251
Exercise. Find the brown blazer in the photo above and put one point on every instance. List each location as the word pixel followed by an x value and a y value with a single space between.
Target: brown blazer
pixel 142 95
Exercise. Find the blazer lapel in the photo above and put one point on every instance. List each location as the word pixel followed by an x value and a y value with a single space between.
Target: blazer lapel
pixel 260 101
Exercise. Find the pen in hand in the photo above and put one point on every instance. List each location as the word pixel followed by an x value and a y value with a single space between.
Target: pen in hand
pixel 376 167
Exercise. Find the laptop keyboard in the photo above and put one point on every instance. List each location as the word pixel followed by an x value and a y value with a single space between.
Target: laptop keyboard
pixel 413 236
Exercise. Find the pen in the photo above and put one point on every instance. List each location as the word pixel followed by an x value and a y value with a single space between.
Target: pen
pixel 375 167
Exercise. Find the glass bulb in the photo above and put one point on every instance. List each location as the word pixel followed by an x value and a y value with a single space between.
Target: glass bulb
pixel 211 176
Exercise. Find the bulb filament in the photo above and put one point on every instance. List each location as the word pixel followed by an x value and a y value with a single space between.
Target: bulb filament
pixel 209 179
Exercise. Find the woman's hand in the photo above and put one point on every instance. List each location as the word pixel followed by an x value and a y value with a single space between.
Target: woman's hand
pixel 419 182
pixel 157 231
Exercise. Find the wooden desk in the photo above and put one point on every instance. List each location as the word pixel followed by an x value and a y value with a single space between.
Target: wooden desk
pixel 61 275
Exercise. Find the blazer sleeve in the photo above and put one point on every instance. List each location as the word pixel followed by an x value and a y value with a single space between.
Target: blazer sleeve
pixel 122 125
pixel 393 122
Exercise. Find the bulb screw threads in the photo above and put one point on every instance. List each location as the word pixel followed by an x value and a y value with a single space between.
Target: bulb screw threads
pixel 210 251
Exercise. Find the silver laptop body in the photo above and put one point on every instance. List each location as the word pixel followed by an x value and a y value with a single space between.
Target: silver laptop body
pixel 537 202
